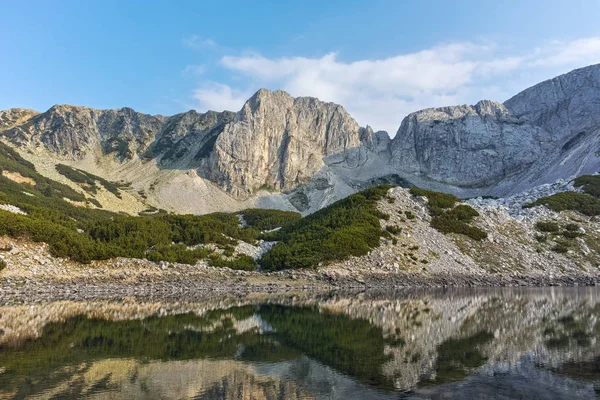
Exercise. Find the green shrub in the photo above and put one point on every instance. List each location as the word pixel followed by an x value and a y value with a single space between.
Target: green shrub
pixel 570 234
pixel 561 246
pixel 463 213
pixel 589 183
pixel 228 251
pixel 242 262
pixel 2 264
pixel 446 217
pixel 409 215
pixel 541 238
pixel 580 202
pixel 393 229
pixel 348 227
pixel 436 199
pixel 547 226
pixel 265 220
pixel 177 253
pixel 446 224
pixel 381 215
pixel 572 227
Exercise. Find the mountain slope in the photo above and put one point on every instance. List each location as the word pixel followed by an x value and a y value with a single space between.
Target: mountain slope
pixel 547 132
pixel 568 109
pixel 302 154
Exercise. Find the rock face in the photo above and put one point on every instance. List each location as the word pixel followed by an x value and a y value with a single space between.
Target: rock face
pixel 73 131
pixel 70 131
pixel 277 141
pixel 312 153
pixel 568 109
pixel 547 132
pixel 465 146
pixel 15 116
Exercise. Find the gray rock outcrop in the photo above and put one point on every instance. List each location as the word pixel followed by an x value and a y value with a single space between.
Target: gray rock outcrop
pixel 465 146
pixel 15 116
pixel 547 132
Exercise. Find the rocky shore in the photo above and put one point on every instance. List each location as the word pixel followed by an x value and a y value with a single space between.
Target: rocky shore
pixel 33 275
pixel 18 291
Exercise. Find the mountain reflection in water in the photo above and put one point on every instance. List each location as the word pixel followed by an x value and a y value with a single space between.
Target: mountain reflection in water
pixel 453 344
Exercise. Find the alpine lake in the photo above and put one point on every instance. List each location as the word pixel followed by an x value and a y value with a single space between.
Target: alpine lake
pixel 496 343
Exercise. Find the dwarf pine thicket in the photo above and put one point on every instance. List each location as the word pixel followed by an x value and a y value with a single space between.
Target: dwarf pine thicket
pixel 89 180
pixel 348 227
pixel 447 217
pixel 586 202
pixel 265 219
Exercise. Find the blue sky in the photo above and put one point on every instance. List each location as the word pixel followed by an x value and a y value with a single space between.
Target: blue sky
pixel 379 59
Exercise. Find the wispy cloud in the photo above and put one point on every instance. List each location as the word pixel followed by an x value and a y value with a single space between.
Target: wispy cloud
pixel 193 70
pixel 218 97
pixel 381 92
pixel 197 42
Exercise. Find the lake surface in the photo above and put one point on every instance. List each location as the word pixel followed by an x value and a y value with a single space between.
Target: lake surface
pixel 439 344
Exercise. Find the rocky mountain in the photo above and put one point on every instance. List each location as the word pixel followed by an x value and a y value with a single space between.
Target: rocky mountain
pixel 547 132
pixel 15 116
pixel 302 153
pixel 279 142
pixel 466 146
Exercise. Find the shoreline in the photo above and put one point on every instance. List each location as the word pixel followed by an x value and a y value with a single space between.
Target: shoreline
pixel 23 291
pixel 32 274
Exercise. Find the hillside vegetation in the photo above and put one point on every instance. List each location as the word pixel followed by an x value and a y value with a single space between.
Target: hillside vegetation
pixel 89 181
pixel 11 161
pixel 447 217
pixel 586 202
pixel 85 234
pixel 348 227
pixel 265 220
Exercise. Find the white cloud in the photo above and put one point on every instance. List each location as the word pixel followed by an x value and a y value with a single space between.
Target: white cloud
pixel 218 97
pixel 197 42
pixel 582 51
pixel 193 70
pixel 381 92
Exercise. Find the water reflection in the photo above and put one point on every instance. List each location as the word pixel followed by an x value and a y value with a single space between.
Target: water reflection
pixel 538 343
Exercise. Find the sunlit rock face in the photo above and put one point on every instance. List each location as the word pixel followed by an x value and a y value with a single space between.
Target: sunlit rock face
pixel 278 141
pixel 567 108
pixel 547 132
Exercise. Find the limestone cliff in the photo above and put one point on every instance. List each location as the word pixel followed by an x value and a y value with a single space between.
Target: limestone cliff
pixel 277 141
pixel 466 146
pixel 547 132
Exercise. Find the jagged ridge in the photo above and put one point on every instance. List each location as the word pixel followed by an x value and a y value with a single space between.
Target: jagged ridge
pixel 316 153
